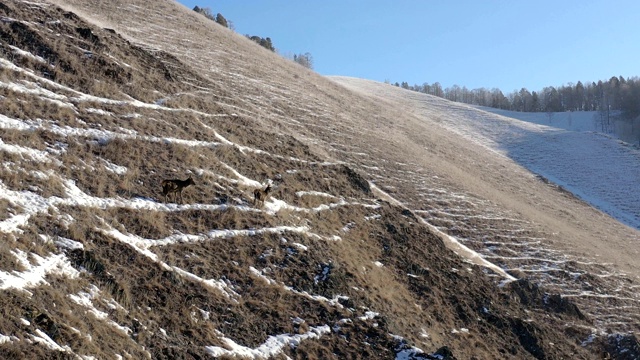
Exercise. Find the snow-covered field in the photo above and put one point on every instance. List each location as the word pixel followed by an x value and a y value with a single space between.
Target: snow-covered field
pixel 566 149
pixel 569 150
pixel 568 120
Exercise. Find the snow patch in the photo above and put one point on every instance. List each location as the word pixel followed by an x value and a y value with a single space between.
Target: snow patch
pixel 271 347
pixel 35 274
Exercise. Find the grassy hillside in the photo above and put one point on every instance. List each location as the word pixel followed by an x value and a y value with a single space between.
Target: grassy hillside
pixel 101 101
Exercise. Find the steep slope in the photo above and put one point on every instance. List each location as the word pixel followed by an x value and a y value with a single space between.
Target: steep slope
pixel 536 227
pixel 103 100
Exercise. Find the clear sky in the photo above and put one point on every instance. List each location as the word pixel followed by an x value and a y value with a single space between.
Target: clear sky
pixel 505 44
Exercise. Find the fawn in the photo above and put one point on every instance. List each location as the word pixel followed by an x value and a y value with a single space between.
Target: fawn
pixel 260 195
pixel 175 186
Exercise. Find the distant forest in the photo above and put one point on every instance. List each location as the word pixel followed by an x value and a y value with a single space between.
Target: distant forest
pixel 305 59
pixel 618 95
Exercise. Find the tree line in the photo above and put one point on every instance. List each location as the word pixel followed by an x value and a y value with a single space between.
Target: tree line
pixel 616 94
pixel 305 59
pixel 217 18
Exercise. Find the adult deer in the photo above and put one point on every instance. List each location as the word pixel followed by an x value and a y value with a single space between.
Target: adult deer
pixel 175 186
pixel 260 195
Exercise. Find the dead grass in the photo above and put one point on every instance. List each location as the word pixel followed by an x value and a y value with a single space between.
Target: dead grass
pixel 79 223
pixel 201 221
pixel 67 323
pixel 38 139
pixel 147 165
pixel 162 289
pixel 147 224
pixel 88 174
pixel 8 209
pixel 197 101
pixel 8 261
pixel 31 176
pixel 32 107
pixel 312 201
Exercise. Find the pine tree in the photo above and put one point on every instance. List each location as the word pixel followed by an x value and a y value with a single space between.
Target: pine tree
pixel 221 20
pixel 205 11
pixel 264 42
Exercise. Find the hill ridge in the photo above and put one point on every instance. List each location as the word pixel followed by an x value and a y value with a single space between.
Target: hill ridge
pixel 324 270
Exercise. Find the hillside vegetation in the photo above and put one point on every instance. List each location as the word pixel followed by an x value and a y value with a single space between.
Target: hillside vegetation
pixel 356 254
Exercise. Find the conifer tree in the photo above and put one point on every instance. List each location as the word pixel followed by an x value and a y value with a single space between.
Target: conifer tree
pixel 221 20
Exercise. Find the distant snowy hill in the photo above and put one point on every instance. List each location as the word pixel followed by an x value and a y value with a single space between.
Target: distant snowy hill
pixel 570 150
pixel 568 120
pixel 564 148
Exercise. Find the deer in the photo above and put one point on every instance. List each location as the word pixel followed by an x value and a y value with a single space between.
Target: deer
pixel 260 195
pixel 175 186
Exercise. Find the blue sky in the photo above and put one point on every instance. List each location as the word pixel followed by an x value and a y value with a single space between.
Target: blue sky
pixel 483 43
